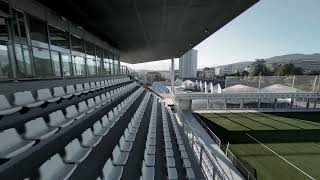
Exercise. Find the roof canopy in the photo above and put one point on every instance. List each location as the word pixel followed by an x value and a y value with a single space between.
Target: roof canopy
pixel 150 30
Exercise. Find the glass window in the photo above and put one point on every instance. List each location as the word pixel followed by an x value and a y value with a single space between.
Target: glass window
pixel 99 56
pixel 56 63
pixel 90 50
pixel 24 68
pixel 38 32
pixel 91 64
pixel 42 62
pixel 66 65
pixel 59 40
pixel 79 66
pixel 106 67
pixel 5 70
pixel 4 26
pixel 19 27
pixel 77 46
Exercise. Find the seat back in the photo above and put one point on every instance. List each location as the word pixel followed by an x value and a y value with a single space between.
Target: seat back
pixel 4 103
pixel 91 103
pixel 22 98
pixel 35 126
pixel 9 138
pixel 55 117
pixel 58 91
pixel 51 167
pixel 70 89
pixel 82 107
pixel 71 111
pixel 44 94
pixel 79 87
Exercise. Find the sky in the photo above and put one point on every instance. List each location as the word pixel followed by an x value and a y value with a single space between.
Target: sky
pixel 269 28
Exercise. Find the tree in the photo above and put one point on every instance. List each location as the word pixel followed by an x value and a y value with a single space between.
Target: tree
pixel 244 73
pixel 259 67
pixel 287 69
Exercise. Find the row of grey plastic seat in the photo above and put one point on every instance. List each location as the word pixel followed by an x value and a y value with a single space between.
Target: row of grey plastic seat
pixel 113 168
pixel 26 99
pixel 12 143
pixel 148 165
pixel 62 167
pixel 170 161
pixel 183 154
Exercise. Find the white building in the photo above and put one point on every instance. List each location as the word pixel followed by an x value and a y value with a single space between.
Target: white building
pixel 232 68
pixel 188 64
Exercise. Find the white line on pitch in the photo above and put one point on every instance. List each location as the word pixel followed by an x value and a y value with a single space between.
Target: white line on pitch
pixel 283 158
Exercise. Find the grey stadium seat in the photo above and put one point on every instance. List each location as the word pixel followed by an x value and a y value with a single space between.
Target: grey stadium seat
pixel 38 129
pixel 111 172
pixel 72 112
pixel 79 89
pixel 54 169
pixel 12 144
pixel 88 139
pixel 57 119
pixel 5 106
pixel 26 99
pixel 70 90
pixel 98 130
pixel 147 172
pixel 45 95
pixel 125 146
pixel 172 173
pixel 119 157
pixel 59 92
pixel 74 153
pixel 106 122
pixel 86 87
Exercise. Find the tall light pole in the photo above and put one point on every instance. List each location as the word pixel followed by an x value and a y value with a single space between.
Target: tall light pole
pixel 172 75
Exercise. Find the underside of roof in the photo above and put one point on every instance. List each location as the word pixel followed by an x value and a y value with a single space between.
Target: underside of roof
pixel 150 30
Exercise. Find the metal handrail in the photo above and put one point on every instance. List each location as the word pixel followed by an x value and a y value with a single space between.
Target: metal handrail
pixel 205 156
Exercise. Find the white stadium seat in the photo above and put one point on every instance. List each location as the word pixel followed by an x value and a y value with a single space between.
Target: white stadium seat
pixel 38 129
pixel 54 168
pixel 26 99
pixel 57 119
pixel 12 144
pixel 88 139
pixel 5 106
pixel 74 153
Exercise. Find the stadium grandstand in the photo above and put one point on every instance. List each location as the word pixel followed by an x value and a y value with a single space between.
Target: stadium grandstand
pixel 69 109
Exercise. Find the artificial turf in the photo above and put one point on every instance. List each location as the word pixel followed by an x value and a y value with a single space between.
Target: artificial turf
pixel 294 136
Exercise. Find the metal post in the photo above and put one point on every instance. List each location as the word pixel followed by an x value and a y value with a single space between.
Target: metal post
pixel 294 77
pixel 172 75
pixel 314 83
pixel 259 83
pixel 201 151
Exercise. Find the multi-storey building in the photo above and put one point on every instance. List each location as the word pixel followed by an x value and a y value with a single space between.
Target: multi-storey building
pixel 188 64
pixel 232 68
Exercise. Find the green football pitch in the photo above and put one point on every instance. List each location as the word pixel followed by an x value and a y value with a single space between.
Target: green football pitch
pixel 284 146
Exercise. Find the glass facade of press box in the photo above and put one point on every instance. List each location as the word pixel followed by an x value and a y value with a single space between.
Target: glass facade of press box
pixel 33 48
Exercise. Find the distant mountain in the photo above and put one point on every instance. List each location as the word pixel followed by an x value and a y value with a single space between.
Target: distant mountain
pixel 293 57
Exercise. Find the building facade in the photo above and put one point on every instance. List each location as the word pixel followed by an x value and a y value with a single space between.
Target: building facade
pixel 188 64
pixel 232 68
pixel 209 73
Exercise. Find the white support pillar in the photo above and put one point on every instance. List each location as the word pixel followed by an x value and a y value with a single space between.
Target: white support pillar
pixel 201 88
pixel 205 87
pixel 211 87
pixel 241 103
pixel 172 75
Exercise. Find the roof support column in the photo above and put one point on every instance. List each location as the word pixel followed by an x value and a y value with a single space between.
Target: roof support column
pixel 172 75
